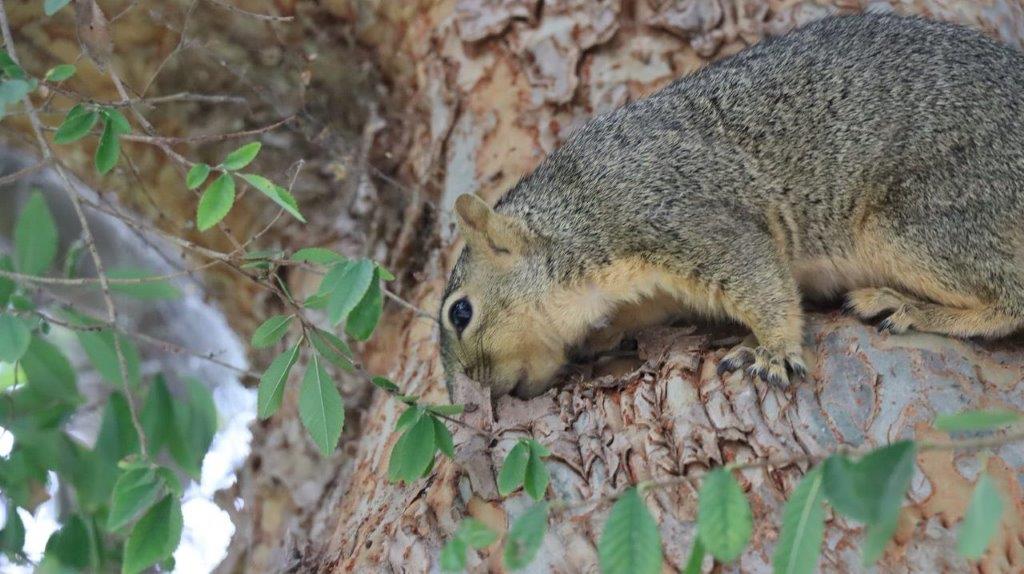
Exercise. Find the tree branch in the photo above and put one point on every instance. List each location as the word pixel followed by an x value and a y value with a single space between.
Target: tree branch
pixel 87 236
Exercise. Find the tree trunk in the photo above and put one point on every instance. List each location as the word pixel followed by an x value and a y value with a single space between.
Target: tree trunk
pixel 489 87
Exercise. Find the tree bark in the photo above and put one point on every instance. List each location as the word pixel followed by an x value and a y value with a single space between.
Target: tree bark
pixel 491 86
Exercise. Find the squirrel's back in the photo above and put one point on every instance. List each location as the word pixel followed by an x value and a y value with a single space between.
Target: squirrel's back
pixel 815 119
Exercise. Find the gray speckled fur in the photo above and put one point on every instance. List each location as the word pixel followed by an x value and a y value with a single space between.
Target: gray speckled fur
pixel 917 125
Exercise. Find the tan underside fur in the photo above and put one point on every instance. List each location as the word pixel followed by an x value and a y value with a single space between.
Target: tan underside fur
pixel 627 295
pixel 630 294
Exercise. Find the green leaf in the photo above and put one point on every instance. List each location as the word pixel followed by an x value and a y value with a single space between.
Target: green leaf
pixel 216 202
pixel 472 533
pixel 453 555
pixel 72 545
pixel 271 390
pixel 197 175
pixel 7 286
pixel 15 337
pixel 22 480
pixel 316 301
pixel 385 274
pixel 271 331
pixel 49 372
pixel 242 156
pixel 385 384
pixel 35 237
pixel 876 538
pixel 408 418
pixel 513 471
pixel 413 453
pixel 860 489
pixel 170 480
pixel 630 542
pixel 447 410
pixel 352 285
pixel 100 347
pixel 76 125
pixel 525 536
pixel 117 438
pixel 724 520
pixel 108 151
pixel 696 561
pixel 50 7
pixel 195 424
pixel 976 420
pixel 157 415
pixel 134 492
pixel 118 123
pixel 476 534
pixel 845 489
pixel 147 291
pixel 98 471
pixel 20 302
pixel 320 407
pixel 331 348
pixel 364 317
pixel 803 527
pixel 539 449
pixel 871 490
pixel 12 537
pixel 982 519
pixel 318 256
pixel 71 258
pixel 60 73
pixel 155 536
pixel 535 481
pixel 8 67
pixel 443 438
pixel 276 193
pixel 12 91
pixel 329 282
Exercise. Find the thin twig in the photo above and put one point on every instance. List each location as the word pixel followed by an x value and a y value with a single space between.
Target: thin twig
pixel 86 233
pixel 191 97
pixel 125 10
pixel 80 281
pixel 150 340
pixel 168 99
pixel 177 47
pixel 206 138
pixel 403 303
pixel 237 10
pixel 13 177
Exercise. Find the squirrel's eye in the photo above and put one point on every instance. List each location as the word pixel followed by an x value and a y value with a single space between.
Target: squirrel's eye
pixel 460 313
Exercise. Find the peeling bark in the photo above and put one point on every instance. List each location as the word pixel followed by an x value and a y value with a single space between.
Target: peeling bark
pixel 492 86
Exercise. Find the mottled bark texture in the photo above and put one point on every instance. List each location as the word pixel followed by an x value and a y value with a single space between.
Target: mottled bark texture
pixel 490 87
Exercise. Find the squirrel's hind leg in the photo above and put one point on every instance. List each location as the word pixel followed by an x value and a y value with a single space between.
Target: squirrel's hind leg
pixel 908 313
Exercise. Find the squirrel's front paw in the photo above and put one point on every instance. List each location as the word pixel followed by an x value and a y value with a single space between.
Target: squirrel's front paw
pixel 773 367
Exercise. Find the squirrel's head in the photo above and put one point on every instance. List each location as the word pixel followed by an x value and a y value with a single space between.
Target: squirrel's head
pixel 495 326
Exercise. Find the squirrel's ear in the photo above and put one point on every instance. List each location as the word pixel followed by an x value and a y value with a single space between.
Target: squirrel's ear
pixel 493 234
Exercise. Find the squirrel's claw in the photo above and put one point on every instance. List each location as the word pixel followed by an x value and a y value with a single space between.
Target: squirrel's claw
pixel 774 368
pixel 739 358
pixel 897 323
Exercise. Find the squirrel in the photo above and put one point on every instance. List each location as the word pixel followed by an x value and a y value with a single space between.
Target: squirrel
pixel 874 157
